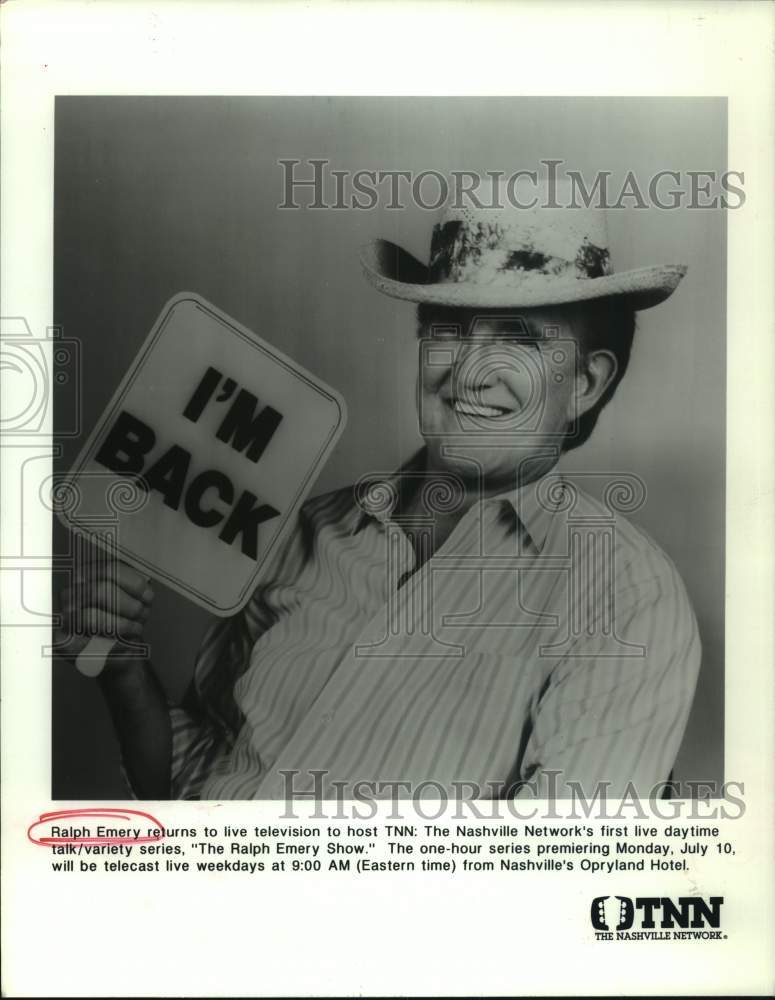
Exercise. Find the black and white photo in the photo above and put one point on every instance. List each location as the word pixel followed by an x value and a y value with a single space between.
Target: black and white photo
pixel 452 611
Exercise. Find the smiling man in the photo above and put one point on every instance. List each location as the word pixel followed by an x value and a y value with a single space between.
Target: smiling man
pixel 474 624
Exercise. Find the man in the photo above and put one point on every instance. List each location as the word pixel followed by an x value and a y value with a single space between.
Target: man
pixel 474 625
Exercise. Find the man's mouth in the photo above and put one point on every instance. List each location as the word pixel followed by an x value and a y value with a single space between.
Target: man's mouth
pixel 467 408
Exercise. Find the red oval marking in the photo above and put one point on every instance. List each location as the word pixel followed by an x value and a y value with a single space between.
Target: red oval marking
pixel 128 816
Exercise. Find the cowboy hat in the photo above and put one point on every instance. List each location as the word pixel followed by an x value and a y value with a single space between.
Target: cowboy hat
pixel 508 256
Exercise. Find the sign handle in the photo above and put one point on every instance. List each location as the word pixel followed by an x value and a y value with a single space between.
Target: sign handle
pixel 91 660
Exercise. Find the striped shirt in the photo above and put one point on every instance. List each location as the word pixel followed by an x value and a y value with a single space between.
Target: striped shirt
pixel 547 640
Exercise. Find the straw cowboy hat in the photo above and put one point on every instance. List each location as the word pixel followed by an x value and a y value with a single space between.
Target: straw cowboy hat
pixel 513 256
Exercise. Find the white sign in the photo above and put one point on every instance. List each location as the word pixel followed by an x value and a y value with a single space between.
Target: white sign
pixel 219 437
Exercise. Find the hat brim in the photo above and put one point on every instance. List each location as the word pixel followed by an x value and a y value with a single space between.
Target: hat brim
pixel 395 272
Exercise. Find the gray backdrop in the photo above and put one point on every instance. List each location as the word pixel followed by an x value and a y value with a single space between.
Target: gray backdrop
pixel 157 195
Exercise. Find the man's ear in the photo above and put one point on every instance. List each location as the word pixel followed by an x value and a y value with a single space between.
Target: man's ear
pixel 595 375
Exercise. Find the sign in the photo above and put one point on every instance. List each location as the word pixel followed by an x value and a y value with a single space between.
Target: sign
pixel 221 437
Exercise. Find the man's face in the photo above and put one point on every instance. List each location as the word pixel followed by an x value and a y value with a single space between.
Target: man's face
pixel 498 392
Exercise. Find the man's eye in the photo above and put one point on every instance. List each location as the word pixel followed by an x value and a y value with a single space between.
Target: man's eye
pixel 441 332
pixel 518 340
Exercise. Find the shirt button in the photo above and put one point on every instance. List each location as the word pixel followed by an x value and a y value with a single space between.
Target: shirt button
pixel 326 719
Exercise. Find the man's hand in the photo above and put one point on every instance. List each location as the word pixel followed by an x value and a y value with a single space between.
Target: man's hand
pixel 107 598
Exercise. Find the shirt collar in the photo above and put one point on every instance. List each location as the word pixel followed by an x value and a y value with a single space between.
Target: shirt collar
pixel 526 506
pixel 378 496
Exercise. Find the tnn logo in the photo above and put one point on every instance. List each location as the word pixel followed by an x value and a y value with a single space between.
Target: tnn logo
pixel 688 911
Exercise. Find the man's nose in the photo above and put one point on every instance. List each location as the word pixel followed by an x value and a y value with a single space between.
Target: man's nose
pixel 475 364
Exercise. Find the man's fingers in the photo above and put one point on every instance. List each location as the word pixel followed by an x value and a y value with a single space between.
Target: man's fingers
pixel 120 573
pixel 69 645
pixel 108 598
pixel 96 621
pixel 105 596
